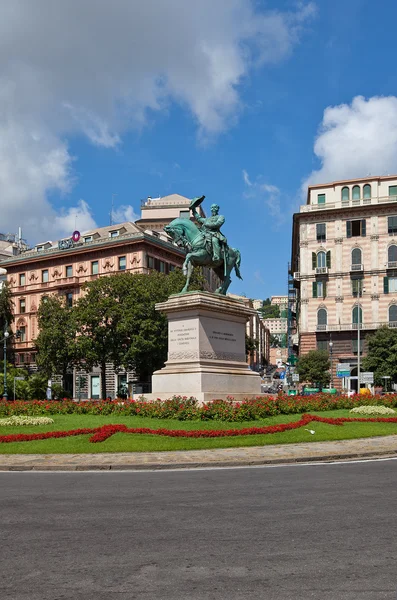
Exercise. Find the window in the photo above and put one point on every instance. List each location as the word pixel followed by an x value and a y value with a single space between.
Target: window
pixel 321 232
pixel 319 289
pixel 94 267
pixel 161 266
pixel 95 387
pixel 392 225
pixel 122 263
pixel 44 299
pixel 345 194
pixel 356 228
pixel 322 345
pixel 392 190
pixel 39 248
pixel 389 284
pixel 357 286
pixel 114 234
pixel 356 259
pixel 393 313
pixel 392 256
pixel 22 279
pixel 357 315
pixel 33 357
pixel 184 214
pixel 321 259
pixel 172 268
pixel 150 262
pixel 356 193
pixel 22 358
pixel 322 319
pixel 88 238
pixel 367 191
pixel 69 299
pixel 22 305
pixel 69 271
pixel 44 276
pixel 355 346
pixel 320 198
pixel 22 331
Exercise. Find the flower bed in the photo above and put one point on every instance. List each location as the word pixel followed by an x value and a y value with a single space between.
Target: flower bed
pixel 186 409
pixel 16 421
pixel 373 410
pixel 100 434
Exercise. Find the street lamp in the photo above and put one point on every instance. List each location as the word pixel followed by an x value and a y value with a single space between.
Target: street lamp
pixel 331 344
pixel 6 336
pixel 360 290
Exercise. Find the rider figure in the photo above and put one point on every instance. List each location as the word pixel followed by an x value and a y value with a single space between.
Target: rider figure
pixel 210 226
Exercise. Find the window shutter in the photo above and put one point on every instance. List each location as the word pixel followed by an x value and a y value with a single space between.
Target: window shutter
pixel 348 229
pixel 314 260
pixel 314 284
pixel 324 289
pixel 385 285
pixel 329 259
pixel 363 227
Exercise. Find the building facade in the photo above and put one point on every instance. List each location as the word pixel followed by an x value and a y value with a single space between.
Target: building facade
pixel 344 266
pixel 256 329
pixel 63 267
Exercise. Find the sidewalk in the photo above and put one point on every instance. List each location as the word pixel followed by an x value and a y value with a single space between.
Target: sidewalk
pixel 228 457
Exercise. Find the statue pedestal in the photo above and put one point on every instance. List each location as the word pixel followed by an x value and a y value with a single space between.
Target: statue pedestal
pixel 206 349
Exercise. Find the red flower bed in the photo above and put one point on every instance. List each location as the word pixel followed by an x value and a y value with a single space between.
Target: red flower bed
pixel 101 434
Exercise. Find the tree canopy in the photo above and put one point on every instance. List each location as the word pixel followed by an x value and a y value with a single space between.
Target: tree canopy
pixel 382 354
pixel 314 367
pixel 270 311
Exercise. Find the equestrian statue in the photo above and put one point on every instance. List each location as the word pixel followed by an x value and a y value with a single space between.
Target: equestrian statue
pixel 205 245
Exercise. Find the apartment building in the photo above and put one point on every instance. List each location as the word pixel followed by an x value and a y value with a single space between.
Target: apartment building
pixel 344 266
pixel 62 267
pixel 257 330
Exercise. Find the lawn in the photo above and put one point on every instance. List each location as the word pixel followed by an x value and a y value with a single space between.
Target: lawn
pixel 126 442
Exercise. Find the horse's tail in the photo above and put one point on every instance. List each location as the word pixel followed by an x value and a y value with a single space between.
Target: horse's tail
pixel 237 263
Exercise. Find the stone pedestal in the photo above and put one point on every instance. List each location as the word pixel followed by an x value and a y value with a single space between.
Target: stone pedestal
pixel 206 349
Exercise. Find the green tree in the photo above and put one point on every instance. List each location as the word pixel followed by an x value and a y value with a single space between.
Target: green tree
pixel 56 341
pixel 118 323
pixel 251 345
pixel 314 367
pixel 6 316
pixel 381 355
pixel 269 310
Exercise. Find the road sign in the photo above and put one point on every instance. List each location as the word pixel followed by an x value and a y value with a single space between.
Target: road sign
pixel 367 377
pixel 343 370
pixel 295 376
pixel 282 375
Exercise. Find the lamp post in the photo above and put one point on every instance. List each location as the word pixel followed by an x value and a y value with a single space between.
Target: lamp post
pixel 331 344
pixel 360 290
pixel 6 336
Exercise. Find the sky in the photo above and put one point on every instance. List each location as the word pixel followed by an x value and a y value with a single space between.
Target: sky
pixel 243 101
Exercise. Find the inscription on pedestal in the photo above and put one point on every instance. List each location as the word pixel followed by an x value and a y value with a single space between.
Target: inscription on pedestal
pixel 183 336
pixel 222 335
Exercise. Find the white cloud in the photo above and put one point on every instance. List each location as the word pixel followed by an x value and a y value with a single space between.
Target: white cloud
pixel 355 140
pixel 124 213
pixel 98 69
pixel 269 194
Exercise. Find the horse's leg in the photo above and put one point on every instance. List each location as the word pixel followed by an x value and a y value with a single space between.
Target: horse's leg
pixel 186 263
pixel 227 280
pixel 189 271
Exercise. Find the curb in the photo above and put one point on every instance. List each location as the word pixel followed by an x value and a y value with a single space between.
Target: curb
pixel 159 466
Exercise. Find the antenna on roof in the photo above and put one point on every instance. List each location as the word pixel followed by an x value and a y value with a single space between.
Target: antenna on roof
pixel 111 212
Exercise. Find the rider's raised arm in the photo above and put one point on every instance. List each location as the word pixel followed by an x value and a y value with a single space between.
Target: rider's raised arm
pixel 197 216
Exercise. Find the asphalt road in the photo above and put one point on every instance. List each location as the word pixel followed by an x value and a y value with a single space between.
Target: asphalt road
pixel 288 533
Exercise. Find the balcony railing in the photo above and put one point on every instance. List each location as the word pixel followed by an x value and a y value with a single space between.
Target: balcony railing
pixel 357 267
pixel 348 203
pixel 354 326
pixel 321 270
pixel 392 264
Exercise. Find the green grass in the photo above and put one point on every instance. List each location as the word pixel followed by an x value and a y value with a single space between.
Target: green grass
pixel 122 442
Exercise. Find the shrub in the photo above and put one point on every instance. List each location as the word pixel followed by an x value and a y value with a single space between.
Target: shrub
pixel 373 410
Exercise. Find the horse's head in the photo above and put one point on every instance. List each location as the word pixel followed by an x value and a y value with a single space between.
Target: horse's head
pixel 182 231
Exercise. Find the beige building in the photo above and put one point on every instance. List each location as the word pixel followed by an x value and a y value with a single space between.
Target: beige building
pixel 344 265
pixel 158 212
pixel 257 304
pixel 257 330
pixel 281 301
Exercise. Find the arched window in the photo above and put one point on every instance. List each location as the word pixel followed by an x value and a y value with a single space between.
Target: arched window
pixel 345 193
pixel 356 192
pixel 321 259
pixel 356 256
pixel 392 254
pixel 357 315
pixel 321 318
pixel 393 313
pixel 367 191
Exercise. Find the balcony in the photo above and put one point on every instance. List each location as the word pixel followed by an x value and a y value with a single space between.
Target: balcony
pixel 392 264
pixel 357 267
pixel 363 326
pixel 321 270
pixel 321 327
pixel 348 203
pixel 65 282
pixel 297 276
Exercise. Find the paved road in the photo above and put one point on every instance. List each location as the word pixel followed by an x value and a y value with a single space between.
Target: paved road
pixel 276 533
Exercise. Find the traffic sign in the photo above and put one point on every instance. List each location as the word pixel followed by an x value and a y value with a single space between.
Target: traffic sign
pixel 343 370
pixel 295 376
pixel 367 377
pixel 282 375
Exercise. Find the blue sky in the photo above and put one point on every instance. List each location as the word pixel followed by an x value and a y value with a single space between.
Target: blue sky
pixel 243 101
